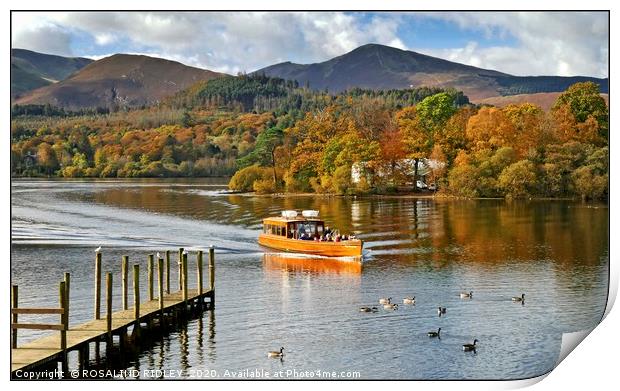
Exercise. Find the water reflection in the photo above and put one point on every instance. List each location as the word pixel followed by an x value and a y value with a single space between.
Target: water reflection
pixel 307 264
pixel 556 252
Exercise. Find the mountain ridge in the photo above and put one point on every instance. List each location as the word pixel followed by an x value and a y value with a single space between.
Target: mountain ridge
pixel 120 80
pixel 377 66
pixel 31 70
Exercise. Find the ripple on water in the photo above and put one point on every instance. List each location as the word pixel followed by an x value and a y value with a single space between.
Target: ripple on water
pixel 430 249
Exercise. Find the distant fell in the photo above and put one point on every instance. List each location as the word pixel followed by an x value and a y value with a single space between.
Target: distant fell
pixel 121 80
pixel 382 67
pixel 31 70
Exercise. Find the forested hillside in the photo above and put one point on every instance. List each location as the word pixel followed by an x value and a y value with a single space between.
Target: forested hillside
pixel 276 136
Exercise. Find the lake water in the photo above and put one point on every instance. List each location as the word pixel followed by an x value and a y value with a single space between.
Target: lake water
pixel 556 252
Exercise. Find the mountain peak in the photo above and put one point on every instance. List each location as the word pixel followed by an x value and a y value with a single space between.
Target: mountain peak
pixel 120 80
pixel 381 67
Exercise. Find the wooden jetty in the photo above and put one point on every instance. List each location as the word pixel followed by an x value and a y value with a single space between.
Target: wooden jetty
pixel 128 324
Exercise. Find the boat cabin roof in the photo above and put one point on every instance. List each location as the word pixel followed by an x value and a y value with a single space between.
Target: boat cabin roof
pixel 284 220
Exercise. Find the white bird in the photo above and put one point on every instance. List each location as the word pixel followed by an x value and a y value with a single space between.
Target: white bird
pixel 98 249
pixel 184 252
pixel 158 255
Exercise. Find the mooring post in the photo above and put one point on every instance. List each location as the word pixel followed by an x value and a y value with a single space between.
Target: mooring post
pixel 150 276
pixel 124 278
pixel 62 290
pixel 212 275
pixel 181 249
pixel 184 268
pixel 168 271
pixel 83 356
pixel 108 300
pixel 14 305
pixel 98 285
pixel 160 287
pixel 136 299
pixel 199 267
pixel 67 297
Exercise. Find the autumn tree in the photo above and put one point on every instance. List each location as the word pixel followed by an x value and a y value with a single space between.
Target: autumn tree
pixel 490 128
pixel 46 158
pixel 417 142
pixel 393 153
pixel 452 137
pixel 585 101
pixel 263 153
pixel 528 123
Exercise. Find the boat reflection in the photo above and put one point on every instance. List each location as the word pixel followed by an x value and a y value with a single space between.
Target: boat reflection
pixel 306 263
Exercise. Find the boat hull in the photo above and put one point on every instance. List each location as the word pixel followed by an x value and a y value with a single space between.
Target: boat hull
pixel 347 248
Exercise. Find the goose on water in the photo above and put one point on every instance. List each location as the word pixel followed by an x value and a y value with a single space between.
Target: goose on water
pixel 466 295
pixel 434 334
pixel 519 299
pixel 276 354
pixel 441 310
pixel 409 300
pixel 390 306
pixel 384 300
pixel 470 346
pixel 368 309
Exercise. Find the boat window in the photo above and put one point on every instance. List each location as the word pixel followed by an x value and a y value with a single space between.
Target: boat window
pixel 319 229
pixel 306 229
pixel 278 230
pixel 273 229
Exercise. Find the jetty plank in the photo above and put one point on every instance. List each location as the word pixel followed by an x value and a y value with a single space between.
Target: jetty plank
pixel 45 349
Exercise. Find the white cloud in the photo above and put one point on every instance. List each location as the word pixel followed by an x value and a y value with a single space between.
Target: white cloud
pixel 32 31
pixel 549 43
pixel 225 42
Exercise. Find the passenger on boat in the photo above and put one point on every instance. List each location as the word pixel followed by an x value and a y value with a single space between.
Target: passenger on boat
pixel 328 231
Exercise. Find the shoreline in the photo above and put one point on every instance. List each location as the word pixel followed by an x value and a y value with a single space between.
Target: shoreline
pixel 403 195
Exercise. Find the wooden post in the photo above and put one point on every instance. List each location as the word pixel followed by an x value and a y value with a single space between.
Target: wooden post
pixel 98 286
pixel 136 299
pixel 168 271
pixel 124 278
pixel 184 268
pixel 83 357
pixel 150 277
pixel 211 268
pixel 160 286
pixel 63 304
pixel 108 301
pixel 181 249
pixel 212 275
pixel 67 298
pixel 14 304
pixel 199 267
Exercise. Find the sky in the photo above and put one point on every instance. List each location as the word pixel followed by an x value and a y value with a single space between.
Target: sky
pixel 519 43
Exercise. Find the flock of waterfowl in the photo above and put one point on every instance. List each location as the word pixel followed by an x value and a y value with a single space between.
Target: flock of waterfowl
pixel 389 306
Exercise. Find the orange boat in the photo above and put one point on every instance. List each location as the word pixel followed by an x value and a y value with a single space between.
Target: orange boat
pixel 306 234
